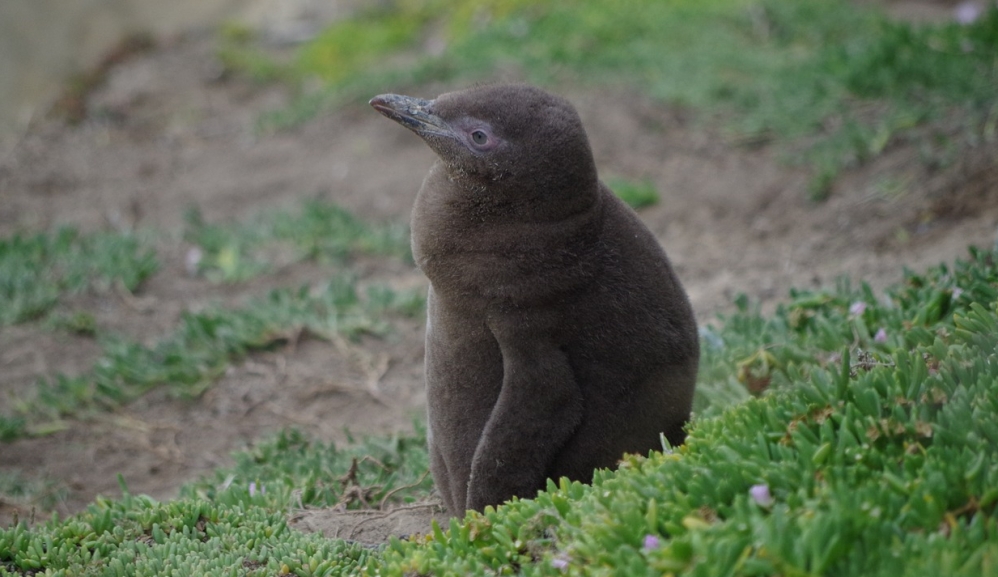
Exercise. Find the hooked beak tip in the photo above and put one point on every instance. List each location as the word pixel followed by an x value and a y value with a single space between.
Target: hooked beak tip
pixel 412 113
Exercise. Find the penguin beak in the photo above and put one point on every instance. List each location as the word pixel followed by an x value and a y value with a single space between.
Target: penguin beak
pixel 412 113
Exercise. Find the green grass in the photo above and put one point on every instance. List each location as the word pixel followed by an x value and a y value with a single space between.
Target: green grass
pixel 865 443
pixel 835 83
pixel 637 194
pixel 136 535
pixel 38 271
pixel 810 330
pixel 293 471
pixel 203 345
pixel 320 231
pixel 232 519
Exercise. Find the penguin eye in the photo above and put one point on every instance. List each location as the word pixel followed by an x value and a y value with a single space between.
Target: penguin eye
pixel 479 137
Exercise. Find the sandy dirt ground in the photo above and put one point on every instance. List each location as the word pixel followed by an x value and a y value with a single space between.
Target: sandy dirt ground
pixel 167 132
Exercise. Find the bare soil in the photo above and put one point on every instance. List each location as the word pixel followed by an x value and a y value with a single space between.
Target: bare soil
pixel 166 132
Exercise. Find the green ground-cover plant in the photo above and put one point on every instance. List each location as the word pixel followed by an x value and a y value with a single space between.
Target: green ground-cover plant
pixel 203 345
pixel 636 193
pixel 837 83
pixel 38 270
pixel 136 535
pixel 291 471
pixel 812 328
pixel 871 450
pixel 233 520
pixel 319 231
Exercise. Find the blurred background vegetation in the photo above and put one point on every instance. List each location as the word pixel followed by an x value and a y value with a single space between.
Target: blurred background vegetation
pixel 833 82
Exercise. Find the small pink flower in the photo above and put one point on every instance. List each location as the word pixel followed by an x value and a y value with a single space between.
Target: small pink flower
pixel 957 292
pixel 192 260
pixel 651 542
pixel 760 494
pixel 967 12
pixel 857 308
pixel 560 562
pixel 252 488
pixel 881 336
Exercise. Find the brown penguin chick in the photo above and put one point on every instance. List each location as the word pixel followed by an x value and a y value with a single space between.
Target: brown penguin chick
pixel 557 336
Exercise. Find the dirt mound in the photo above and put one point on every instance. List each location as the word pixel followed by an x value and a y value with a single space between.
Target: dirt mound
pixel 371 527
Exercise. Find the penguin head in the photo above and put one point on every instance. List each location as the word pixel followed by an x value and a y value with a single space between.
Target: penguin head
pixel 506 140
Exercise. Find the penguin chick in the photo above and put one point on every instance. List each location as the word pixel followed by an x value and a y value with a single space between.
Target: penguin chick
pixel 558 337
